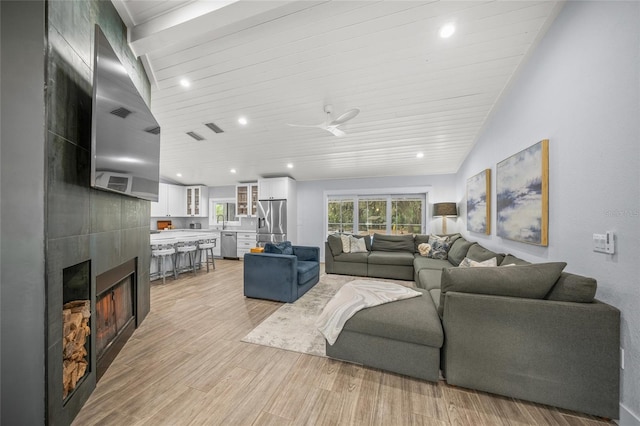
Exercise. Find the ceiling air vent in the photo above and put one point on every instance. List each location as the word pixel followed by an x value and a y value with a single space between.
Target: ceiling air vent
pixel 121 112
pixel 195 136
pixel 153 130
pixel 213 127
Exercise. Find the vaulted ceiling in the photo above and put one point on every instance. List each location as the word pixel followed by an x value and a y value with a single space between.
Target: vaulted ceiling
pixel 280 62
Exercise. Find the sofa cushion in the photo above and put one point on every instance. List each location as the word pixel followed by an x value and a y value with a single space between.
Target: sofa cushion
pixel 412 320
pixel 573 288
pixel 390 258
pixel 478 253
pixel 307 270
pixel 525 281
pixel 352 257
pixel 394 243
pixel 280 248
pixel 335 244
pixel 512 260
pixel 420 263
pixel 435 296
pixel 429 279
pixel 458 250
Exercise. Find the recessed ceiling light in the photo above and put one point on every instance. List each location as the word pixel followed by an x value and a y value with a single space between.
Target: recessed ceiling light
pixel 232 170
pixel 179 174
pixel 243 121
pixel 447 30
pixel 419 155
pixel 289 166
pixel 185 83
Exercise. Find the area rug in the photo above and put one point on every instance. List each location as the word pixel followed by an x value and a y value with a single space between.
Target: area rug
pixel 292 326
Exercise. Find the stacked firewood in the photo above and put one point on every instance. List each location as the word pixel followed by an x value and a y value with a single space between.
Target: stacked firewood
pixel 75 331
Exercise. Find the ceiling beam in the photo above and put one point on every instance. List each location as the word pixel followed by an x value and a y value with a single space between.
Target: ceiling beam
pixel 208 18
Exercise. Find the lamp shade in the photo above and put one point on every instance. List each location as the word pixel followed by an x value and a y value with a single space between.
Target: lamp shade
pixel 445 209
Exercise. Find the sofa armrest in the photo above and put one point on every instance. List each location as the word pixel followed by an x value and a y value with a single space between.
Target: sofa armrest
pixel 271 276
pixel 557 353
pixel 307 253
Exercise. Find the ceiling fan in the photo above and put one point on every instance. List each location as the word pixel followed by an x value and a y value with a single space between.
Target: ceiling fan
pixel 332 125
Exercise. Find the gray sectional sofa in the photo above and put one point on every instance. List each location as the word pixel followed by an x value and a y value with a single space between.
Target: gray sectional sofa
pixel 528 331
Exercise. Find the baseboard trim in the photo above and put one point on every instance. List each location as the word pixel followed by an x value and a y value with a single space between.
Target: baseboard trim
pixel 627 418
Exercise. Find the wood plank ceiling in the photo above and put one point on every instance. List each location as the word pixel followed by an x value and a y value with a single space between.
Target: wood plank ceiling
pixel 281 62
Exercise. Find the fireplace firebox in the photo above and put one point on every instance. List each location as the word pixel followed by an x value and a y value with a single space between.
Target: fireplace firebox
pixel 115 312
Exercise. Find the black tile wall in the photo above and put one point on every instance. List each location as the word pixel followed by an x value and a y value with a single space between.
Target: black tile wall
pixel 83 223
pixel 68 193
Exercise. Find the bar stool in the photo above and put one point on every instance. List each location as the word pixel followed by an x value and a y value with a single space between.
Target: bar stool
pixel 160 253
pixel 207 245
pixel 189 248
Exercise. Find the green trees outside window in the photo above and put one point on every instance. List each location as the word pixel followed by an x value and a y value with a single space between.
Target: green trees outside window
pixel 386 214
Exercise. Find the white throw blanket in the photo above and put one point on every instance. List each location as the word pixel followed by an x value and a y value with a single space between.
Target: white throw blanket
pixel 353 297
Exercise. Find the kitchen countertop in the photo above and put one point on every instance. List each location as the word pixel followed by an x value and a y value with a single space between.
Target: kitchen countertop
pixel 173 235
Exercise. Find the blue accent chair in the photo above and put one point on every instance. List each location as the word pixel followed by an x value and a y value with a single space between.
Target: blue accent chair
pixel 281 277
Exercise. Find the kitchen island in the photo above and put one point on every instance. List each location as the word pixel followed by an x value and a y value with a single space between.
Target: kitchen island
pixel 174 236
pixel 245 239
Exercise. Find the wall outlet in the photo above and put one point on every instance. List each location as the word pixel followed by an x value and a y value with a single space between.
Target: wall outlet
pixel 622 358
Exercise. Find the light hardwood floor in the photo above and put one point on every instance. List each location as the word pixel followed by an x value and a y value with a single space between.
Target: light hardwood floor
pixel 186 365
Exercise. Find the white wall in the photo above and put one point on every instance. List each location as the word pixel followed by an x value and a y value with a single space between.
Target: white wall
pixel 580 89
pixel 311 198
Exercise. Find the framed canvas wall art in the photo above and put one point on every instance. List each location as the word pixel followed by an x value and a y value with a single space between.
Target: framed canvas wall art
pixel 522 186
pixel 479 202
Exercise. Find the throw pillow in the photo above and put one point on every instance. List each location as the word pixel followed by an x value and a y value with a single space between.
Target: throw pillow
pixel 357 245
pixel 346 243
pixel 280 248
pixel 424 249
pixel 439 247
pixel 469 263
pixel 484 264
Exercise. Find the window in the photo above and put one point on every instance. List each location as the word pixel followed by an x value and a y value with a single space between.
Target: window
pixel 372 216
pixel 406 216
pixel 340 215
pixel 385 214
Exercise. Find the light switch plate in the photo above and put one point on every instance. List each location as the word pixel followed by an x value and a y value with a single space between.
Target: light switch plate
pixel 604 243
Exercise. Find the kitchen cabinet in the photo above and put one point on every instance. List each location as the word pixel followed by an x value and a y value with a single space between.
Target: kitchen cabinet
pixel 245 240
pixel 171 201
pixel 246 199
pixel 197 201
pixel 254 199
pixel 275 188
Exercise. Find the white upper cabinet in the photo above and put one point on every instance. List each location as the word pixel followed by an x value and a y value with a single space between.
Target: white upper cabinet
pixel 246 199
pixel 159 209
pixel 197 201
pixel 171 201
pixel 274 188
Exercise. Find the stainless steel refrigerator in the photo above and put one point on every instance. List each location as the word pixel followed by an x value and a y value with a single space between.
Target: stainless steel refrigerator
pixel 272 221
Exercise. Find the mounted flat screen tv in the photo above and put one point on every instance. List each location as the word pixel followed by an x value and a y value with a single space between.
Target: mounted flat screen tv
pixel 125 137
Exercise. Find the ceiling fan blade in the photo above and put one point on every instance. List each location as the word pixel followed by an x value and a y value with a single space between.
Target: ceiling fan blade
pixel 321 126
pixel 345 117
pixel 336 132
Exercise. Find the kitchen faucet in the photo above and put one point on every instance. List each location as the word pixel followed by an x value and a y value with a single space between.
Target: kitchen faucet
pixel 218 220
